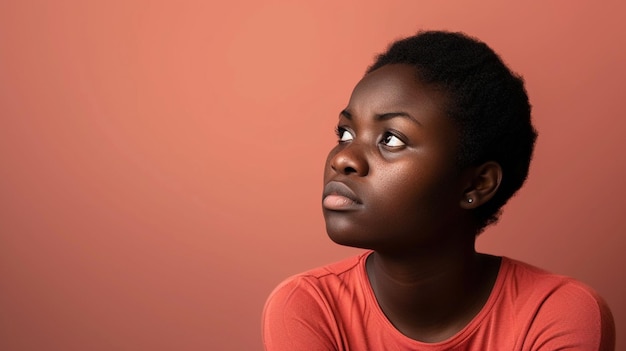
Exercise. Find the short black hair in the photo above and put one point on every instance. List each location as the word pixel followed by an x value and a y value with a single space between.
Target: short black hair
pixel 485 98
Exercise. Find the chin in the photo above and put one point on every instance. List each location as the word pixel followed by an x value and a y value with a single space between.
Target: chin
pixel 350 238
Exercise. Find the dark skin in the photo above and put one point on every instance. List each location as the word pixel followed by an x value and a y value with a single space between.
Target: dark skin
pixel 392 185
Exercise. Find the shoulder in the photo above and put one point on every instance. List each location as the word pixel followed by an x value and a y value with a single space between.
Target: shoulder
pixel 564 311
pixel 319 282
pixel 302 310
pixel 533 282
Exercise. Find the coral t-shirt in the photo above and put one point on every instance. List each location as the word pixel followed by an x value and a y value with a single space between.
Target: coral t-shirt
pixel 334 308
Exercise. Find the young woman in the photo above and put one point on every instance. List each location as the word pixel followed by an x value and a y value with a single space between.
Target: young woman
pixel 435 139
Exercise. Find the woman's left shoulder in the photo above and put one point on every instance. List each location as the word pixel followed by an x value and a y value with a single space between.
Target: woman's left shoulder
pixel 566 310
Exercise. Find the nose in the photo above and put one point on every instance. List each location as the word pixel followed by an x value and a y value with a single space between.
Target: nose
pixel 350 160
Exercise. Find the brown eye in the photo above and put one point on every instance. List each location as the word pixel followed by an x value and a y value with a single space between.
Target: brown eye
pixel 344 135
pixel 392 140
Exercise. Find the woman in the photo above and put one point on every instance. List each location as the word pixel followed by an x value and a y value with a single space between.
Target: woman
pixel 435 139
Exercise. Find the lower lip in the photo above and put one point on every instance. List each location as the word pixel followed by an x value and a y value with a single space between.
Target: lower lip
pixel 338 203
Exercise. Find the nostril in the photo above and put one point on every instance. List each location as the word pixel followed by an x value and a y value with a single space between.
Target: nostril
pixel 349 170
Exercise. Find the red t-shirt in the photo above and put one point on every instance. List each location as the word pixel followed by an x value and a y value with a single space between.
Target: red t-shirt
pixel 334 308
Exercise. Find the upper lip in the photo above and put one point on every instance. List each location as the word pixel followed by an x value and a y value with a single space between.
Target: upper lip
pixel 339 188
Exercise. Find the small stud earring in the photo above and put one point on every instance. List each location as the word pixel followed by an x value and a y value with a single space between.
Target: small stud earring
pixel 470 200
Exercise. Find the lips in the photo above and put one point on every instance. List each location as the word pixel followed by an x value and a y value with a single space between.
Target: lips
pixel 339 197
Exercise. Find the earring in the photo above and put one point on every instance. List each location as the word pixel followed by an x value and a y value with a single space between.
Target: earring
pixel 470 200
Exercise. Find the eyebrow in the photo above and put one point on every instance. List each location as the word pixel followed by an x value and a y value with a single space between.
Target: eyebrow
pixel 383 116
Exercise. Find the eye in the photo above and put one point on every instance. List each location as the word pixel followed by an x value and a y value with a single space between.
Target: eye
pixel 392 140
pixel 343 134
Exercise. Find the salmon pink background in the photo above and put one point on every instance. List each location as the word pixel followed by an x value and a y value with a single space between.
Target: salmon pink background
pixel 161 161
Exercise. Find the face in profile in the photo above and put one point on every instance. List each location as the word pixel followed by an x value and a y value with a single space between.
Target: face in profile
pixel 392 182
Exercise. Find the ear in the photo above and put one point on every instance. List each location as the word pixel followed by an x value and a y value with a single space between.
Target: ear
pixel 482 183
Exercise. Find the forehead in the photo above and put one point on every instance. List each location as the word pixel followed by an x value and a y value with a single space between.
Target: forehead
pixel 396 88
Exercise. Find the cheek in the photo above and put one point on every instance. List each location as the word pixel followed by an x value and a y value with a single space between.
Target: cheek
pixel 409 187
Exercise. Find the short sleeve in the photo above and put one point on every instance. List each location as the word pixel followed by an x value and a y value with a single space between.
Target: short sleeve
pixel 572 318
pixel 296 317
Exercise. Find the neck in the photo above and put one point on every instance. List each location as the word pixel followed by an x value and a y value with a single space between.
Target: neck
pixel 429 296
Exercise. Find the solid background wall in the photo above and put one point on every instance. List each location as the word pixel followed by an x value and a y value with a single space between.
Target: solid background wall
pixel 161 161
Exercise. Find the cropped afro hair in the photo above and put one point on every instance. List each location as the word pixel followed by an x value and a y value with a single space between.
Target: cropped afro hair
pixel 485 99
